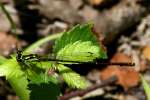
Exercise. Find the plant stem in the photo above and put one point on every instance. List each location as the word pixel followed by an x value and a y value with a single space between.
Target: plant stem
pixel 13 26
pixel 42 41
pixel 94 87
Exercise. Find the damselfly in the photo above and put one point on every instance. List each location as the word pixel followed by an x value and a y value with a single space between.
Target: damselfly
pixel 36 58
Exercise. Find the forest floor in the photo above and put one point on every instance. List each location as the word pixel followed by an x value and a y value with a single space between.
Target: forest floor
pixel 123 26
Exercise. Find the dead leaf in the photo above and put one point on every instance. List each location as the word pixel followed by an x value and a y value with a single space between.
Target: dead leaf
pixel 95 2
pixel 120 57
pixel 146 52
pixel 127 76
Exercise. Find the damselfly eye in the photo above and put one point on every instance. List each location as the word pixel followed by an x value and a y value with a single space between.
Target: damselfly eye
pixel 19 55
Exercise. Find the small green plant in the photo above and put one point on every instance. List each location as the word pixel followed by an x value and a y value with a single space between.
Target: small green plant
pixel 146 87
pixel 29 76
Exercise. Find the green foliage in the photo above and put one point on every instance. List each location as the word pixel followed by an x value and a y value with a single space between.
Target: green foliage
pixel 146 87
pixel 44 91
pixel 2 60
pixel 78 44
pixel 8 70
pixel 16 77
pixel 19 85
pixel 73 79
pixel 44 78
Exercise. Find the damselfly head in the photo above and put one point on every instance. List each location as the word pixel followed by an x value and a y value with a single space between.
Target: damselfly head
pixel 19 55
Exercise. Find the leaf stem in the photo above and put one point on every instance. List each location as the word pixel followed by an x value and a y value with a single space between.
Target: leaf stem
pixel 42 41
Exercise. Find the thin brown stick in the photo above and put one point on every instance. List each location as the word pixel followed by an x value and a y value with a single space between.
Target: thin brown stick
pixel 83 92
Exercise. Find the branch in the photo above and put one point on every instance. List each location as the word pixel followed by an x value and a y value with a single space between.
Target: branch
pixel 83 92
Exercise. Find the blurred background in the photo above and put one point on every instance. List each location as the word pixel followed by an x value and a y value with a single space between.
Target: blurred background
pixel 123 26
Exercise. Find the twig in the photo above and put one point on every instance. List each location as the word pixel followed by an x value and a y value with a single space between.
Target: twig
pixel 13 26
pixel 82 92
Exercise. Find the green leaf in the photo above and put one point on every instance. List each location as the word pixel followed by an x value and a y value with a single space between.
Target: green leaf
pixel 2 60
pixel 44 78
pixel 146 87
pixel 37 72
pixel 19 85
pixel 42 64
pixel 43 91
pixel 10 69
pixel 73 79
pixel 79 44
pixel 16 77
